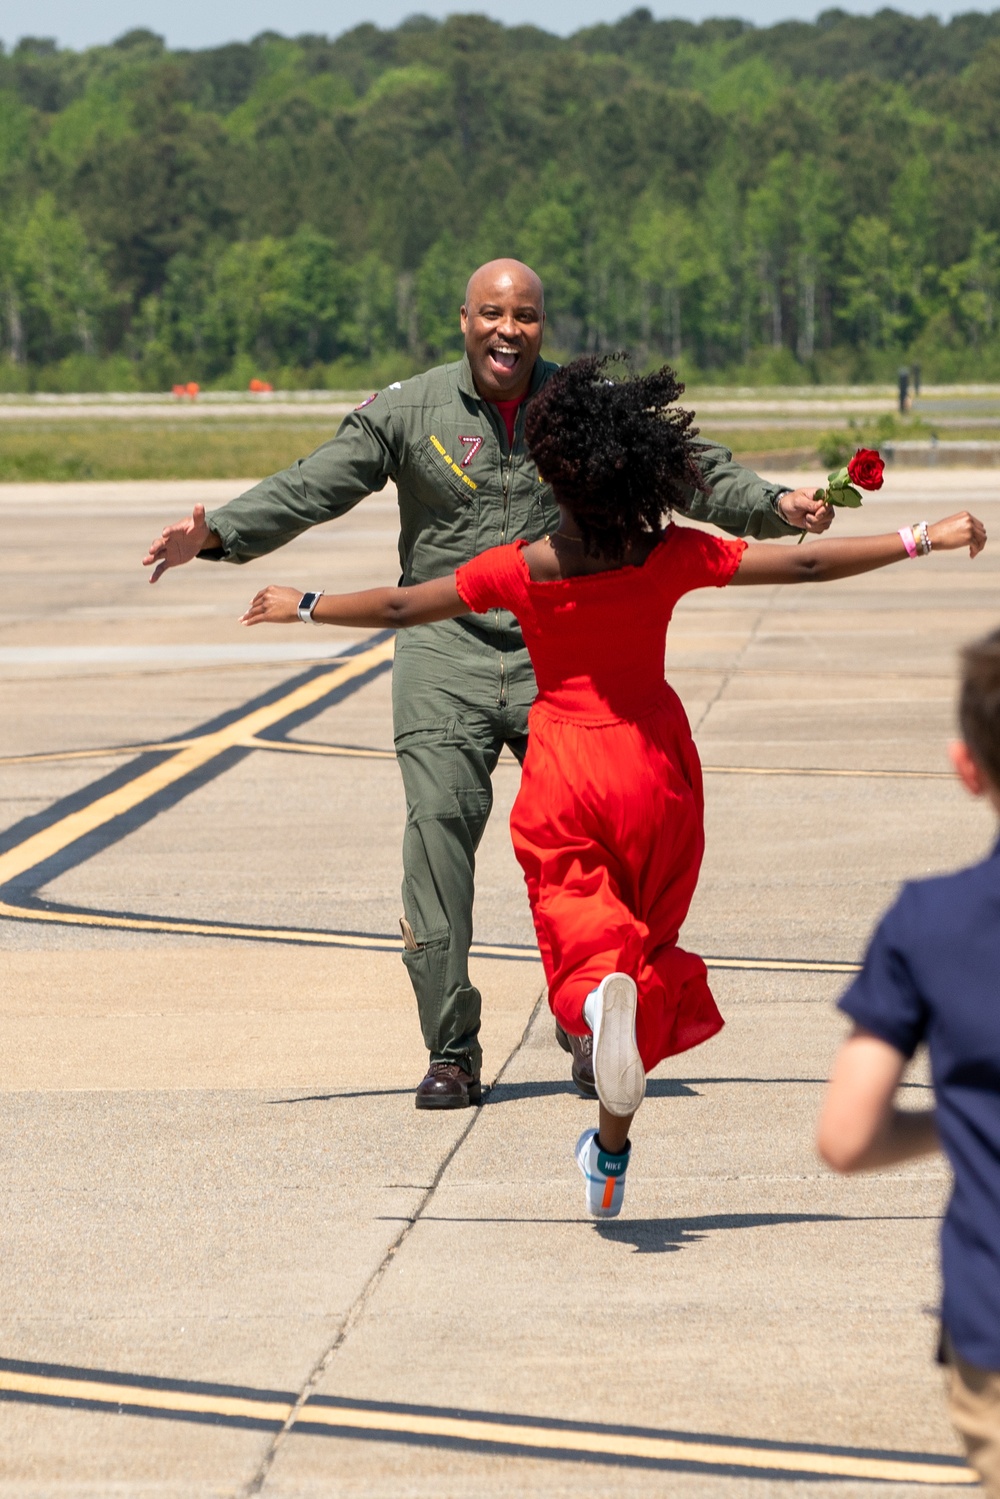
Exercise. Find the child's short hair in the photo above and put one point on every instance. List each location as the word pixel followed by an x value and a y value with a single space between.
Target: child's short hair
pixel 615 447
pixel 979 703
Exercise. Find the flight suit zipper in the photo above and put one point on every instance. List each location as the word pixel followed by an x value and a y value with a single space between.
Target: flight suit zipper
pixel 506 496
pixel 504 520
pixel 502 697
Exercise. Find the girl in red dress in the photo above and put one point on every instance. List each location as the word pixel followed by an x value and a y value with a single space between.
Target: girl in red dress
pixel 608 822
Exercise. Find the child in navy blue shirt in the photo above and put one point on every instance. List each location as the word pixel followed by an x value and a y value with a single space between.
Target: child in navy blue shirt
pixel 932 974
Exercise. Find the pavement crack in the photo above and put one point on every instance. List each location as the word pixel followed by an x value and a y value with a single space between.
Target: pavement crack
pixel 368 1290
pixel 738 660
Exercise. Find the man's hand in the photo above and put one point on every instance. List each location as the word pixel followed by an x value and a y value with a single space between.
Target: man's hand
pixel 179 543
pixel 800 508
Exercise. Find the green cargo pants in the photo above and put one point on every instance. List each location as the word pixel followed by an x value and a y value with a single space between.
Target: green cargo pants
pixel 457 700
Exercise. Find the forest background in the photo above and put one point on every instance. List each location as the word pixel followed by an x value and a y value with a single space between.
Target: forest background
pixel 801 203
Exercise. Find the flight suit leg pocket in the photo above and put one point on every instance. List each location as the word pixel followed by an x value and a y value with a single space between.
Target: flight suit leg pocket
pixel 446 811
pixel 448 800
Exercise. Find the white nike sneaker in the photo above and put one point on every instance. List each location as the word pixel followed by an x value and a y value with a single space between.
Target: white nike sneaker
pixel 618 1071
pixel 603 1174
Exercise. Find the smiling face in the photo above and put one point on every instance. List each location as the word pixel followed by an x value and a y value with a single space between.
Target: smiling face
pixel 503 319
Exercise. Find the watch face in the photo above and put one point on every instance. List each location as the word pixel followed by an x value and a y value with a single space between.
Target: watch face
pixel 307 603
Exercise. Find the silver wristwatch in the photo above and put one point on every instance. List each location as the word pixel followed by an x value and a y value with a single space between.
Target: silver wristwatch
pixel 307 604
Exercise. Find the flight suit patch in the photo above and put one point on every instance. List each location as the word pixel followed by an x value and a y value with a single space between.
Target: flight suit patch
pixel 450 463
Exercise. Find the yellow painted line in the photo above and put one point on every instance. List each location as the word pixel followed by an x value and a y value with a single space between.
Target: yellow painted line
pixel 196 752
pixel 783 965
pixel 291 746
pixel 198 928
pixel 184 1401
pixel 659 1449
pixel 808 770
pixel 91 754
pixel 247 933
pixel 300 747
pixel 311 747
pixel 372 942
pixel 368 942
pixel 482 1430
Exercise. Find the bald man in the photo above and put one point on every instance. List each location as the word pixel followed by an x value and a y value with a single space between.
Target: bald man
pixel 452 442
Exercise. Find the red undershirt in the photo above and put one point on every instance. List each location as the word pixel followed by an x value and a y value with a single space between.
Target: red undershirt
pixel 508 412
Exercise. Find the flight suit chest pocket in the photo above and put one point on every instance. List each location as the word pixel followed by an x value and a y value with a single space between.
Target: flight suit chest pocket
pixel 442 472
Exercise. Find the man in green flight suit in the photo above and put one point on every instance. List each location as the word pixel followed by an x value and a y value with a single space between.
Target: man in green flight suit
pixel 452 442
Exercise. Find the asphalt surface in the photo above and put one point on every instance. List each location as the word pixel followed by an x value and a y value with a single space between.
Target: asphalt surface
pixel 236 1260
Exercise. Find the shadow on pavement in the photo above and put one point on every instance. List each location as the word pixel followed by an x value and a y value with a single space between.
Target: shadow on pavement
pixel 666 1235
pixel 656 1087
pixel 336 1097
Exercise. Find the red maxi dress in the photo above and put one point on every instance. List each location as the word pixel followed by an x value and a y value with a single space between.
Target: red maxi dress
pixel 608 825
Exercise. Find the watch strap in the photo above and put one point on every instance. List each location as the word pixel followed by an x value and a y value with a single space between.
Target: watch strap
pixel 307 604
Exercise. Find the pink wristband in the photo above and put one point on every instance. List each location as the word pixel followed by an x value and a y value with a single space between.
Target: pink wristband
pixel 907 538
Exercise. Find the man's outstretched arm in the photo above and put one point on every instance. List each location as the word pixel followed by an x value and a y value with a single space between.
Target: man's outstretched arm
pixel 331 481
pixel 742 503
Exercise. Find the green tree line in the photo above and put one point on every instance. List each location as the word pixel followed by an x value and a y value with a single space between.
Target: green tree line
pixel 803 201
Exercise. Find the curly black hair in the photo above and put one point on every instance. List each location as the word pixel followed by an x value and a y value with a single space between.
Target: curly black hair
pixel 616 451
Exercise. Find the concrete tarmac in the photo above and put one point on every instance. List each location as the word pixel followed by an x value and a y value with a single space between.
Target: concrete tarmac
pixel 236 1260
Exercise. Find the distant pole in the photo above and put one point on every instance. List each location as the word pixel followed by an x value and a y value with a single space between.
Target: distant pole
pixel 904 391
pixel 915 372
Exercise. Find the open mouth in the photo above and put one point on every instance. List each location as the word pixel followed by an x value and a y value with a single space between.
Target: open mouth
pixel 504 358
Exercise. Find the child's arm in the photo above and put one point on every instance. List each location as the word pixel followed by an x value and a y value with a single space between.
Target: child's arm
pixel 381 608
pixel 844 557
pixel 860 1129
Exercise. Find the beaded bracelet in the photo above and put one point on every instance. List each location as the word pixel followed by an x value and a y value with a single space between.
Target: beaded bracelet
pixel 907 538
pixel 922 537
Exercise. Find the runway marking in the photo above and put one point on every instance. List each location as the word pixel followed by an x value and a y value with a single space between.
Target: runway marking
pixel 107 753
pixel 363 941
pixel 365 752
pixel 810 770
pixel 78 827
pixel 292 746
pixel 347 751
pixel 782 965
pixel 481 1431
pixel 366 941
pixel 182 763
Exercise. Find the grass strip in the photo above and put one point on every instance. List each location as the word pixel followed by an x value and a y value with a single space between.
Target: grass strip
pixel 59 451
pixel 66 450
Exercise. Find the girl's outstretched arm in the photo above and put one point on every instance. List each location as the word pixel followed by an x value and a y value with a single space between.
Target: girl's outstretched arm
pixel 844 557
pixel 379 608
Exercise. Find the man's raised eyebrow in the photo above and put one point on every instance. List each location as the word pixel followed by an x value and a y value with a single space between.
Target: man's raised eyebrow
pixel 486 307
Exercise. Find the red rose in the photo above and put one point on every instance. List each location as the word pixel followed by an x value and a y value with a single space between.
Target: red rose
pixel 865 469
